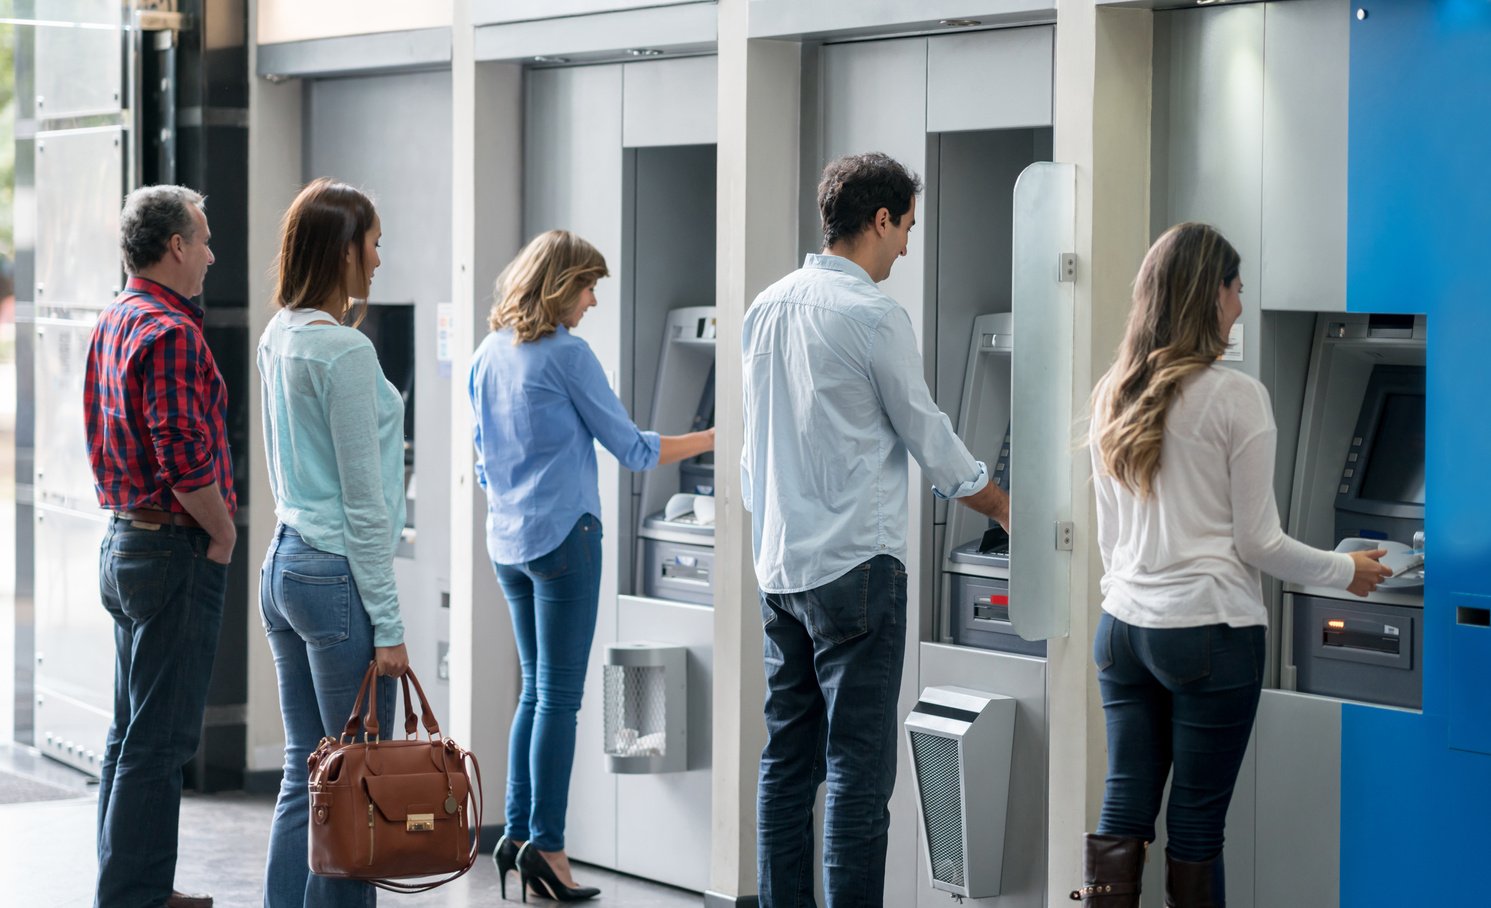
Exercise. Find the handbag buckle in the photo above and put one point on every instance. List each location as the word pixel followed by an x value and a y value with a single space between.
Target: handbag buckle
pixel 420 822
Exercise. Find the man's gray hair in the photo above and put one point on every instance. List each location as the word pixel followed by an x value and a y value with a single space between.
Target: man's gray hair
pixel 151 216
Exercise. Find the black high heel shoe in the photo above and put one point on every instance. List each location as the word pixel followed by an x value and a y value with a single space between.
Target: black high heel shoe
pixel 505 856
pixel 532 868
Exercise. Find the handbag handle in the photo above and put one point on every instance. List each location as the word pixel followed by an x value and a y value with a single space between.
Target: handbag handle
pixel 367 722
pixel 355 722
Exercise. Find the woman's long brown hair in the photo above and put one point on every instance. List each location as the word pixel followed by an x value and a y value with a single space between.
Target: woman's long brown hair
pixel 1174 331
pixel 539 288
pixel 325 220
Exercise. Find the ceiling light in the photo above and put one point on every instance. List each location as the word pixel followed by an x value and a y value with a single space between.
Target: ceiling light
pixel 644 52
pixel 960 23
pixel 546 59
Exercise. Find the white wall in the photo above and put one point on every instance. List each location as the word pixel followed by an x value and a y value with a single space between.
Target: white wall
pixel 297 20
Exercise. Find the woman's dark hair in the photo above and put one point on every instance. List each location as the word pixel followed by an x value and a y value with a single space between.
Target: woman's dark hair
pixel 855 186
pixel 324 221
pixel 1174 331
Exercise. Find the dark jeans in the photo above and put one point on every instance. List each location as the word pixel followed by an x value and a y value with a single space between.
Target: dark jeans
pixel 1181 698
pixel 833 672
pixel 553 600
pixel 166 599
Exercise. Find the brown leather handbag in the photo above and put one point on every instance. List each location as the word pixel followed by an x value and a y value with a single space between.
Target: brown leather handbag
pixel 382 810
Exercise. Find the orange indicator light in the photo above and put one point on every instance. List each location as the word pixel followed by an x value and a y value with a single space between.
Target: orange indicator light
pixel 1336 623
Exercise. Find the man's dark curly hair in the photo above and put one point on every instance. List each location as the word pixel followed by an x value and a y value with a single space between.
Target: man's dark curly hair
pixel 856 186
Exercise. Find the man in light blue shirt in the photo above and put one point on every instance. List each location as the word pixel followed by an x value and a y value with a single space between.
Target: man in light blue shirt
pixel 834 400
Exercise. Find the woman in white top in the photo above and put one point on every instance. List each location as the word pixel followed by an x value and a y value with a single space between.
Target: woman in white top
pixel 1183 464
pixel 334 439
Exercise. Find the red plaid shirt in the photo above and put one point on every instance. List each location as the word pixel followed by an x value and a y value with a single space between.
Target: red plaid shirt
pixel 155 403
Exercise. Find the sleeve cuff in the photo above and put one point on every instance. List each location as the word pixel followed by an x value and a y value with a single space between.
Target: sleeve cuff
pixel 391 634
pixel 654 443
pixel 972 486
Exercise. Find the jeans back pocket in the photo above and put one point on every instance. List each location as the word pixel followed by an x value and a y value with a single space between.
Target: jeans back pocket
pixel 839 611
pixel 1177 656
pixel 318 606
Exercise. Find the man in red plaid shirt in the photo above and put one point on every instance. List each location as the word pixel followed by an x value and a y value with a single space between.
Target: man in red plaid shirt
pixel 156 408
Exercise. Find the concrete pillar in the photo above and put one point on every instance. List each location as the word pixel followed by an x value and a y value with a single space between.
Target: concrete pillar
pixel 1103 75
pixel 759 89
pixel 274 175
pixel 485 234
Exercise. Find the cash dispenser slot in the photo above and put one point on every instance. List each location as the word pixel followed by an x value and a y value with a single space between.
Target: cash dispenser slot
pixel 1366 651
pixel 992 608
pixel 1367 636
pixel 981 616
pixel 685 567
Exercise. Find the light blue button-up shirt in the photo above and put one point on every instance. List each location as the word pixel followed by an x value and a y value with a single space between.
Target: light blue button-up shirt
pixel 834 399
pixel 540 407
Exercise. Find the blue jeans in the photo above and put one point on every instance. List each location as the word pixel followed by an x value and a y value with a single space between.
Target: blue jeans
pixel 322 642
pixel 553 600
pixel 166 599
pixel 1180 699
pixel 834 656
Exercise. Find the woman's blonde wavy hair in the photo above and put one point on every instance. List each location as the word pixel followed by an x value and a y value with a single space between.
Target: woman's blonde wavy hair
pixel 1174 331
pixel 542 285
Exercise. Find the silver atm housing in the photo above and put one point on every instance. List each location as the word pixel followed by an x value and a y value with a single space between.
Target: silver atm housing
pixel 1347 349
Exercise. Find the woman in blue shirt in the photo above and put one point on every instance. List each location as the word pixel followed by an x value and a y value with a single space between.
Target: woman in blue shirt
pixel 334 436
pixel 541 402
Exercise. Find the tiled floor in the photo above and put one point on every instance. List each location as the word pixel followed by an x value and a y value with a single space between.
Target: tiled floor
pixel 47 857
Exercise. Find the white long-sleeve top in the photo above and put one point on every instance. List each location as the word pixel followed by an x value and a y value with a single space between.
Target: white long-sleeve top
pixel 1191 553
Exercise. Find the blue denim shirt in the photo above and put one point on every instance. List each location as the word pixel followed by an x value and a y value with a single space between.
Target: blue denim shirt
pixel 540 407
pixel 834 399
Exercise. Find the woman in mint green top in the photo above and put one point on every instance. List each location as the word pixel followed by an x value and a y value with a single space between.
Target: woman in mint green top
pixel 334 436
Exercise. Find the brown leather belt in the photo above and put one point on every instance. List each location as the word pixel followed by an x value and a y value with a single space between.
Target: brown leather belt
pixel 166 518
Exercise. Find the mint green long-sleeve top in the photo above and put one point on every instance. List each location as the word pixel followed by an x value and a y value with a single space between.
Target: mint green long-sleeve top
pixel 334 436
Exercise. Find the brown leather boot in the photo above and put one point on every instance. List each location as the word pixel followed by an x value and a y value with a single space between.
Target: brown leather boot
pixel 1199 884
pixel 1112 869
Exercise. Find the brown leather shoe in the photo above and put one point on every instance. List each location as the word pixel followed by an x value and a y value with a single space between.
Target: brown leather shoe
pixel 182 900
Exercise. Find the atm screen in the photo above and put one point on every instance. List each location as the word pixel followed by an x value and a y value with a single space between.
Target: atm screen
pixel 1395 461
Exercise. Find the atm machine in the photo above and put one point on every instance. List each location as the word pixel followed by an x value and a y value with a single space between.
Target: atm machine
pixel 675 541
pixel 975 589
pixel 1359 484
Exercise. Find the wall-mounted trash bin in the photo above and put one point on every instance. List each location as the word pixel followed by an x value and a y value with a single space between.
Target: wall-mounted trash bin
pixel 646 714
pixel 961 743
